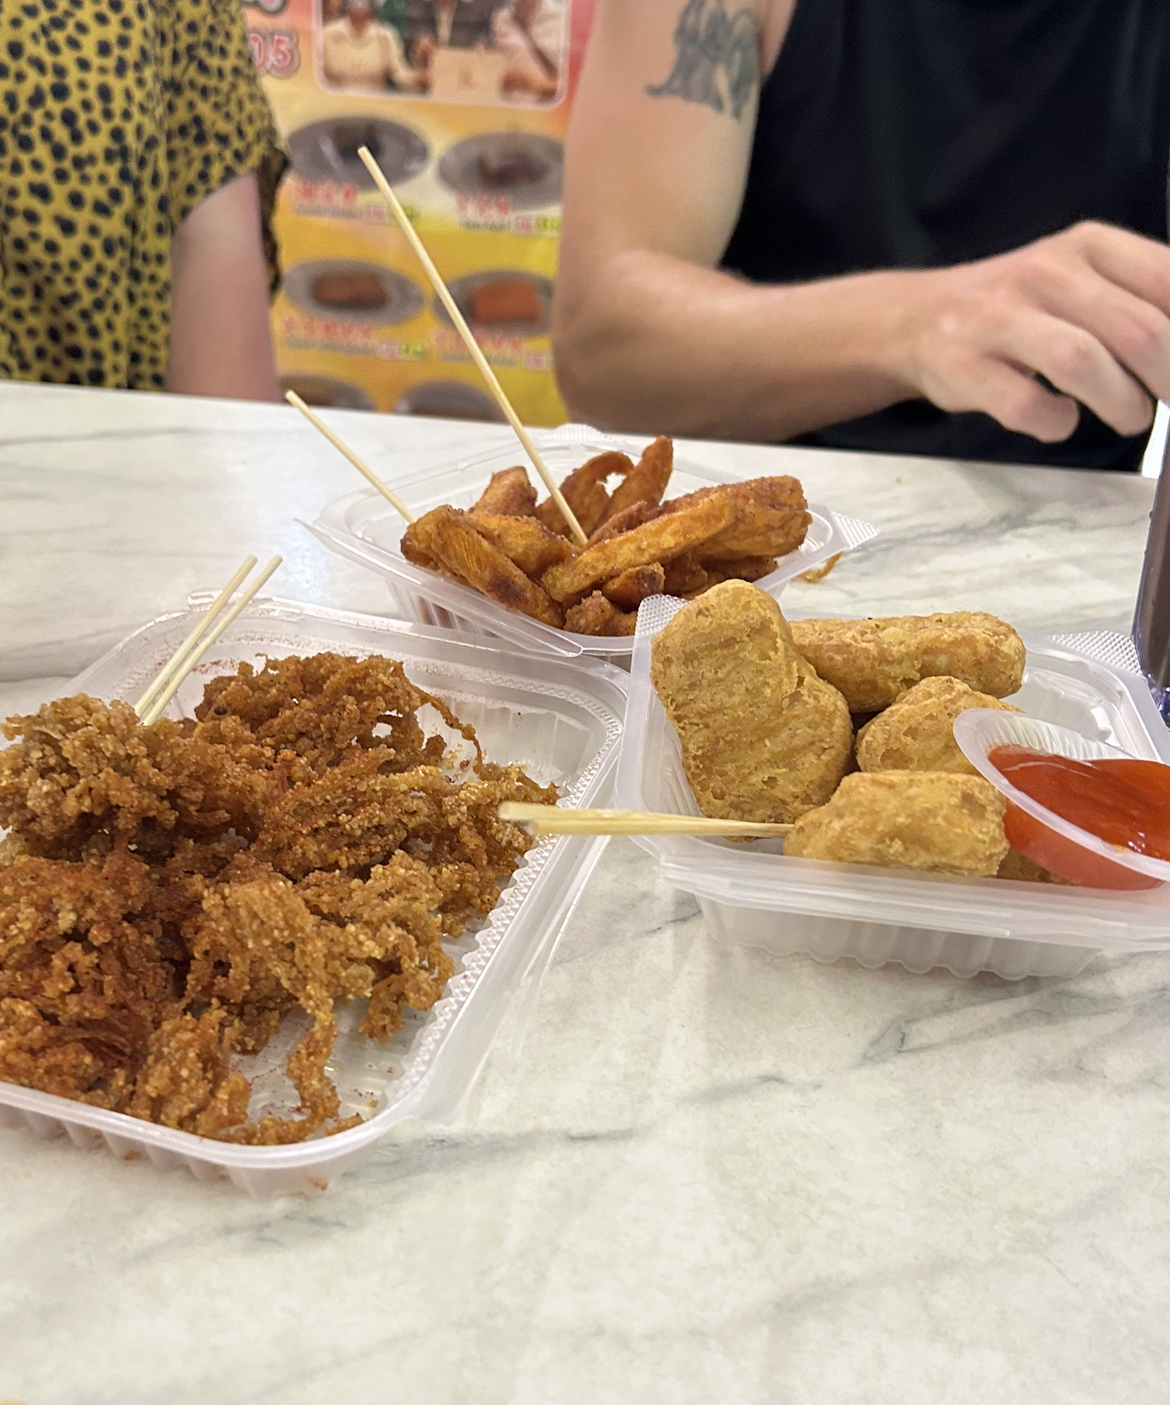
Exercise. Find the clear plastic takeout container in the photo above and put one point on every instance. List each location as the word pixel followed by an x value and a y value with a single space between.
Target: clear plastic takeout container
pixel 562 722
pixel 753 895
pixel 365 528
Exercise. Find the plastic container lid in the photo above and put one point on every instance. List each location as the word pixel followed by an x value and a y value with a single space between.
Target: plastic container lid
pixel 979 731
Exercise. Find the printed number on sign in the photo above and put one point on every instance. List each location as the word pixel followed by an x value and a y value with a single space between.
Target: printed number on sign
pixel 274 51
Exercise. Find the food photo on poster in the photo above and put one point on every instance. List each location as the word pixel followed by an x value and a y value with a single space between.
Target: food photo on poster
pixel 464 106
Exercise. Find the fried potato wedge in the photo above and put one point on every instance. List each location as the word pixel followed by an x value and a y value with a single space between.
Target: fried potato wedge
pixel 660 540
pixel 628 590
pixel 742 568
pixel 597 615
pixel 509 493
pixel 523 540
pixel 450 538
pixel 584 491
pixel 646 482
pixel 685 577
pixel 625 521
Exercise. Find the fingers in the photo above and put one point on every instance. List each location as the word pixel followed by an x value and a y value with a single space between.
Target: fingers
pixel 1140 266
pixel 1009 394
pixel 1077 363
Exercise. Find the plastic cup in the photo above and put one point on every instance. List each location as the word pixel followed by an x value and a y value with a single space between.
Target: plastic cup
pixel 1036 831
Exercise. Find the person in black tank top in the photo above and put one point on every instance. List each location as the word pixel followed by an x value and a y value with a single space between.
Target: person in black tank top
pixel 925 133
pixel 889 136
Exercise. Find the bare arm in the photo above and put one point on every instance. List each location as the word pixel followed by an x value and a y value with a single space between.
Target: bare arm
pixel 221 340
pixel 650 335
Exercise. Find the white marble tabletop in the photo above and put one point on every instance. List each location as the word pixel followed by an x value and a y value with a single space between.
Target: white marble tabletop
pixel 689 1173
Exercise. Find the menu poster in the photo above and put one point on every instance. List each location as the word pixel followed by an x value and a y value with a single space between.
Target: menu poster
pixel 465 105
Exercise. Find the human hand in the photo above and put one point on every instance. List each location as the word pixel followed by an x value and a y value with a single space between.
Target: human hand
pixel 424 51
pixel 1088 309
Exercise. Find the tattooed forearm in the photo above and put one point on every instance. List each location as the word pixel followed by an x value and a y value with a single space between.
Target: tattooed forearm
pixel 716 57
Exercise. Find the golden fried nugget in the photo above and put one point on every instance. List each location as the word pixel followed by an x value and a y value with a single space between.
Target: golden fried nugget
pixel 584 491
pixel 656 541
pixel 771 518
pixel 449 536
pixel 508 494
pixel 628 590
pixel 597 615
pixel 936 821
pixel 874 661
pixel 916 733
pixel 523 540
pixel 646 482
pixel 763 738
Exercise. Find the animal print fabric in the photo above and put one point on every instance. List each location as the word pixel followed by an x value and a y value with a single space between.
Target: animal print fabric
pixel 117 117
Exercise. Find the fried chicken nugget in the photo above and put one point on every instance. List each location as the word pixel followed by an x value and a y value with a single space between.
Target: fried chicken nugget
pixel 872 662
pixel 763 738
pixel 448 536
pixel 917 732
pixel 659 540
pixel 509 493
pixel 523 540
pixel 597 615
pixel 584 491
pixel 628 590
pixel 937 822
pixel 647 482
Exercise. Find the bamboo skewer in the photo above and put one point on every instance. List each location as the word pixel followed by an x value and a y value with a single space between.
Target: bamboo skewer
pixel 552 819
pixel 189 656
pixel 201 626
pixel 342 448
pixel 481 361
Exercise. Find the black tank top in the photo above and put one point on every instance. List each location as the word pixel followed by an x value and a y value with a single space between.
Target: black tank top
pixel 922 133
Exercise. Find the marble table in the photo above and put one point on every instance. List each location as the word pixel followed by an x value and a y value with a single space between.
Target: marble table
pixel 688 1173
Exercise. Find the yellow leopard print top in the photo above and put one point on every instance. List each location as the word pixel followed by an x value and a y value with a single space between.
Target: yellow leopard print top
pixel 116 118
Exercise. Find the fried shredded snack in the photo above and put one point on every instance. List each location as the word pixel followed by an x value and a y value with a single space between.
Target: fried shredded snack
pixel 172 892
pixel 732 532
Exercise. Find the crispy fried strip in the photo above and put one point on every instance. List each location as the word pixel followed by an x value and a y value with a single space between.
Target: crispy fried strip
pixel 523 540
pixel 628 590
pixel 660 540
pixel 597 615
pixel 625 521
pixel 508 494
pixel 584 491
pixel 448 535
pixel 647 482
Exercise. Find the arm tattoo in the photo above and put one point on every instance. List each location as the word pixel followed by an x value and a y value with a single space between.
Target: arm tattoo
pixel 716 57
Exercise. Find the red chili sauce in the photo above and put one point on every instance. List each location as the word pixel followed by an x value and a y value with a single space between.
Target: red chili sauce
pixel 1122 801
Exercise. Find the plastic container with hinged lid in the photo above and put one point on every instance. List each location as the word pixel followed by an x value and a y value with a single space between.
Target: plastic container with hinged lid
pixel 562 722
pixel 365 528
pixel 752 895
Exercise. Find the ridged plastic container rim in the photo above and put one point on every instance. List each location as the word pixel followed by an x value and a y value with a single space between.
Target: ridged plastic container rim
pixel 981 730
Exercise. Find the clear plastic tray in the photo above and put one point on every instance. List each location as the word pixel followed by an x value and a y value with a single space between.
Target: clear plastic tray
pixel 562 722
pixel 753 895
pixel 365 528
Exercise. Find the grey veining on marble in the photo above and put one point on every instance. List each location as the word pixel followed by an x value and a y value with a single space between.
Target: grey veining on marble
pixel 690 1174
